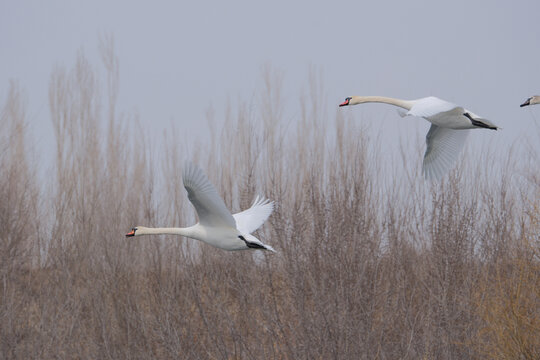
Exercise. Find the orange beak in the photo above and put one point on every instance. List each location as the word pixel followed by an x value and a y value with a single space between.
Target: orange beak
pixel 131 233
pixel 345 103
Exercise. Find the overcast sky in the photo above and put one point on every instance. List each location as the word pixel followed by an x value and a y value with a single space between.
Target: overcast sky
pixel 178 57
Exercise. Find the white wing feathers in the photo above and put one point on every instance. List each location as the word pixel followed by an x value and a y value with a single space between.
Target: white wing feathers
pixel 431 106
pixel 443 148
pixel 203 195
pixel 251 219
pixel 402 112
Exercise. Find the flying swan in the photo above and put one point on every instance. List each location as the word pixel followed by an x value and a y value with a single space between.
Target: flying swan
pixel 216 225
pixel 448 131
pixel 533 100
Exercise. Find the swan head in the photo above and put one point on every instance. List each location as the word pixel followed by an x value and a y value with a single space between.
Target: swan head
pixel 136 231
pixel 346 102
pixel 355 100
pixel 531 101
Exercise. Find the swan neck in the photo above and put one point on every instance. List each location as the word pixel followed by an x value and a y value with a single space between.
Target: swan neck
pixel 187 232
pixel 405 104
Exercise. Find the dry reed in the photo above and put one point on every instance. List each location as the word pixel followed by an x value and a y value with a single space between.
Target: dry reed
pixel 363 271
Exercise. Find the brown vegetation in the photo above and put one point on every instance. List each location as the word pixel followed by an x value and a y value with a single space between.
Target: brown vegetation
pixel 366 267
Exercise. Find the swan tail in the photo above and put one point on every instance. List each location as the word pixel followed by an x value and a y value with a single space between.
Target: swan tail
pixel 253 243
pixel 268 247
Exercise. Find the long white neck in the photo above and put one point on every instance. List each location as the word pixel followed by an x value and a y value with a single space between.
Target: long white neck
pixel 405 104
pixel 187 232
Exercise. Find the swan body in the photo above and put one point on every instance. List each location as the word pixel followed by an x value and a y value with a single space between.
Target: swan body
pixel 447 134
pixel 533 100
pixel 216 226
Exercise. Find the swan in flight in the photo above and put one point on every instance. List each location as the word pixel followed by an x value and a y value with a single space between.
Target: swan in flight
pixel 216 225
pixel 533 100
pixel 447 134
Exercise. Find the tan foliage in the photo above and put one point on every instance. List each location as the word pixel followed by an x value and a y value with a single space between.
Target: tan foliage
pixel 368 267
pixel 508 301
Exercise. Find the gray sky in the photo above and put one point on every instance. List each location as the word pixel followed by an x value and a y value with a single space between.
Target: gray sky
pixel 178 57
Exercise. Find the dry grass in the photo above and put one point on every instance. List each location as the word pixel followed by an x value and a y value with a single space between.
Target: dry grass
pixel 367 267
pixel 509 303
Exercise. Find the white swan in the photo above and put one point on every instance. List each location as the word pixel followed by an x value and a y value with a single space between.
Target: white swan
pixel 533 100
pixel 216 225
pixel 448 132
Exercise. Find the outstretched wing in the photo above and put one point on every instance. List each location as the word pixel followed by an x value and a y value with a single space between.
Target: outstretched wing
pixel 443 148
pixel 203 195
pixel 251 219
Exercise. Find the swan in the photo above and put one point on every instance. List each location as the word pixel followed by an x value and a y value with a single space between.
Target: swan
pixel 533 100
pixel 216 225
pixel 448 131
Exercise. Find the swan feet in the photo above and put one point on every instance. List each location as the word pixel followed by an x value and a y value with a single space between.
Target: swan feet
pixel 479 123
pixel 251 244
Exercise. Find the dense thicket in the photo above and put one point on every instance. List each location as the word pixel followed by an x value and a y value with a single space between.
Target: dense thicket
pixel 366 267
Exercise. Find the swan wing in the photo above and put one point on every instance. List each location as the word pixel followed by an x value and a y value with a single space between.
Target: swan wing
pixel 402 112
pixel 251 219
pixel 432 106
pixel 443 148
pixel 210 207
